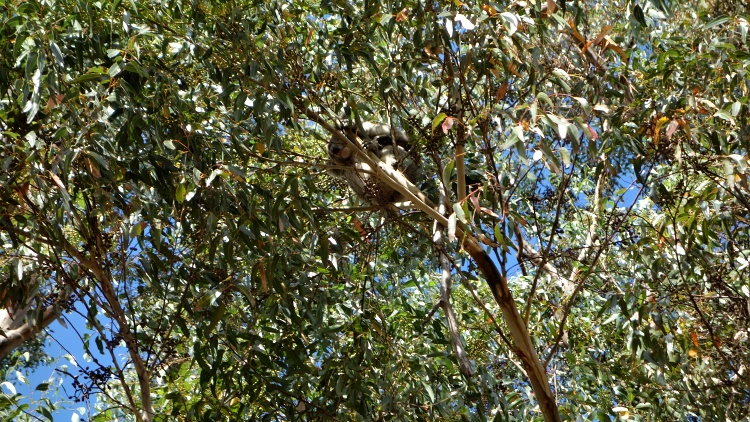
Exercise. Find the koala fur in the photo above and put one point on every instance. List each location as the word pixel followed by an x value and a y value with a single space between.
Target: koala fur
pixel 379 139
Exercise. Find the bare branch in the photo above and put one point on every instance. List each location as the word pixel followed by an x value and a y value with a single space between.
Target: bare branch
pixel 446 285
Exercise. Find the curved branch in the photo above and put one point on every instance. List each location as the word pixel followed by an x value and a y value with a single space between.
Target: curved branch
pixel 446 285
pixel 524 348
pixel 117 313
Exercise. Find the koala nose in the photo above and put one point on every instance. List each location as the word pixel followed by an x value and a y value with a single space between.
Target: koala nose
pixel 334 149
pixel 341 151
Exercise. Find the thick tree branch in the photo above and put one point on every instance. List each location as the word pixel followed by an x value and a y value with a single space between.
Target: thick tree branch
pixel 524 348
pixel 16 333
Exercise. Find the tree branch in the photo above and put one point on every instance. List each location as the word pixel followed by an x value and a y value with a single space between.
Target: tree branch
pixel 498 283
pixel 15 337
pixel 117 313
pixel 446 284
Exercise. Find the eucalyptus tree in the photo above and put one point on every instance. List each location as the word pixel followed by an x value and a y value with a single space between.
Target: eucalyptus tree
pixel 577 246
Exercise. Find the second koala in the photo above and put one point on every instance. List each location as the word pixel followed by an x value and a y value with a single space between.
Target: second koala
pixel 379 139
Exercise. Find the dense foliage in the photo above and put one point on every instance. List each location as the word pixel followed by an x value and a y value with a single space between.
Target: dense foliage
pixel 162 173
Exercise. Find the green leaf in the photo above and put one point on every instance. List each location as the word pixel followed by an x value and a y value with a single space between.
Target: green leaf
pixel 724 115
pixel 510 22
pixel 90 77
pixel 736 107
pixel 180 193
pixel 510 141
pixel 57 54
pixel 542 96
pixel 611 318
pixel 584 105
pixel 237 172
pixel 638 14
pixel 115 69
pixel 27 9
pixel 428 388
pixel 216 315
pixel 716 22
pixel 459 212
pixel 565 155
pixel 448 172
pixel 212 176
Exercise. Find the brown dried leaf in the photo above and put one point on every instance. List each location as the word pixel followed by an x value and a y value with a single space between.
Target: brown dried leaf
pixel 501 91
pixel 263 279
pixel 694 338
pixel 609 44
pixel 605 31
pixel 402 15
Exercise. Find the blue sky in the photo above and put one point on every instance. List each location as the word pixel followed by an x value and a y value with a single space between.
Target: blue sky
pixel 63 340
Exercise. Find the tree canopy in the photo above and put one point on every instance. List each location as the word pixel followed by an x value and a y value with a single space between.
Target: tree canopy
pixel 577 248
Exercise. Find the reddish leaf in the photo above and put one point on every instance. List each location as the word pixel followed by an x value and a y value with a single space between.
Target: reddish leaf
pixel 447 124
pixel 694 338
pixel 598 38
pixel 671 128
pixel 402 15
pixel 501 91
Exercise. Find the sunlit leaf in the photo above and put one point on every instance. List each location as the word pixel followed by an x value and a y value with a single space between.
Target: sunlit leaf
pixel 716 22
pixel 510 21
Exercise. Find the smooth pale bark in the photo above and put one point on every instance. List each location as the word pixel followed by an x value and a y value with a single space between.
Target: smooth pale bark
pixel 16 330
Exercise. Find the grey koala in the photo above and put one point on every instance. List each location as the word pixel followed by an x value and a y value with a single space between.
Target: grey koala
pixel 379 139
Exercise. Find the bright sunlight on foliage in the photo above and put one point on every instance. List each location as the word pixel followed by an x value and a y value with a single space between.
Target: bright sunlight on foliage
pixel 577 247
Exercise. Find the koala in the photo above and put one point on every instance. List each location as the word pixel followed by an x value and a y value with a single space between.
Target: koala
pixel 379 139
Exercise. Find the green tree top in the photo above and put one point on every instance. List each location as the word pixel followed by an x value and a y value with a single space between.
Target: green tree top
pixel 578 246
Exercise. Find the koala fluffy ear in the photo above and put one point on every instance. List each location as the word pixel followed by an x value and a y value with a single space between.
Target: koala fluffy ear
pixel 382 133
pixel 385 135
pixel 348 128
